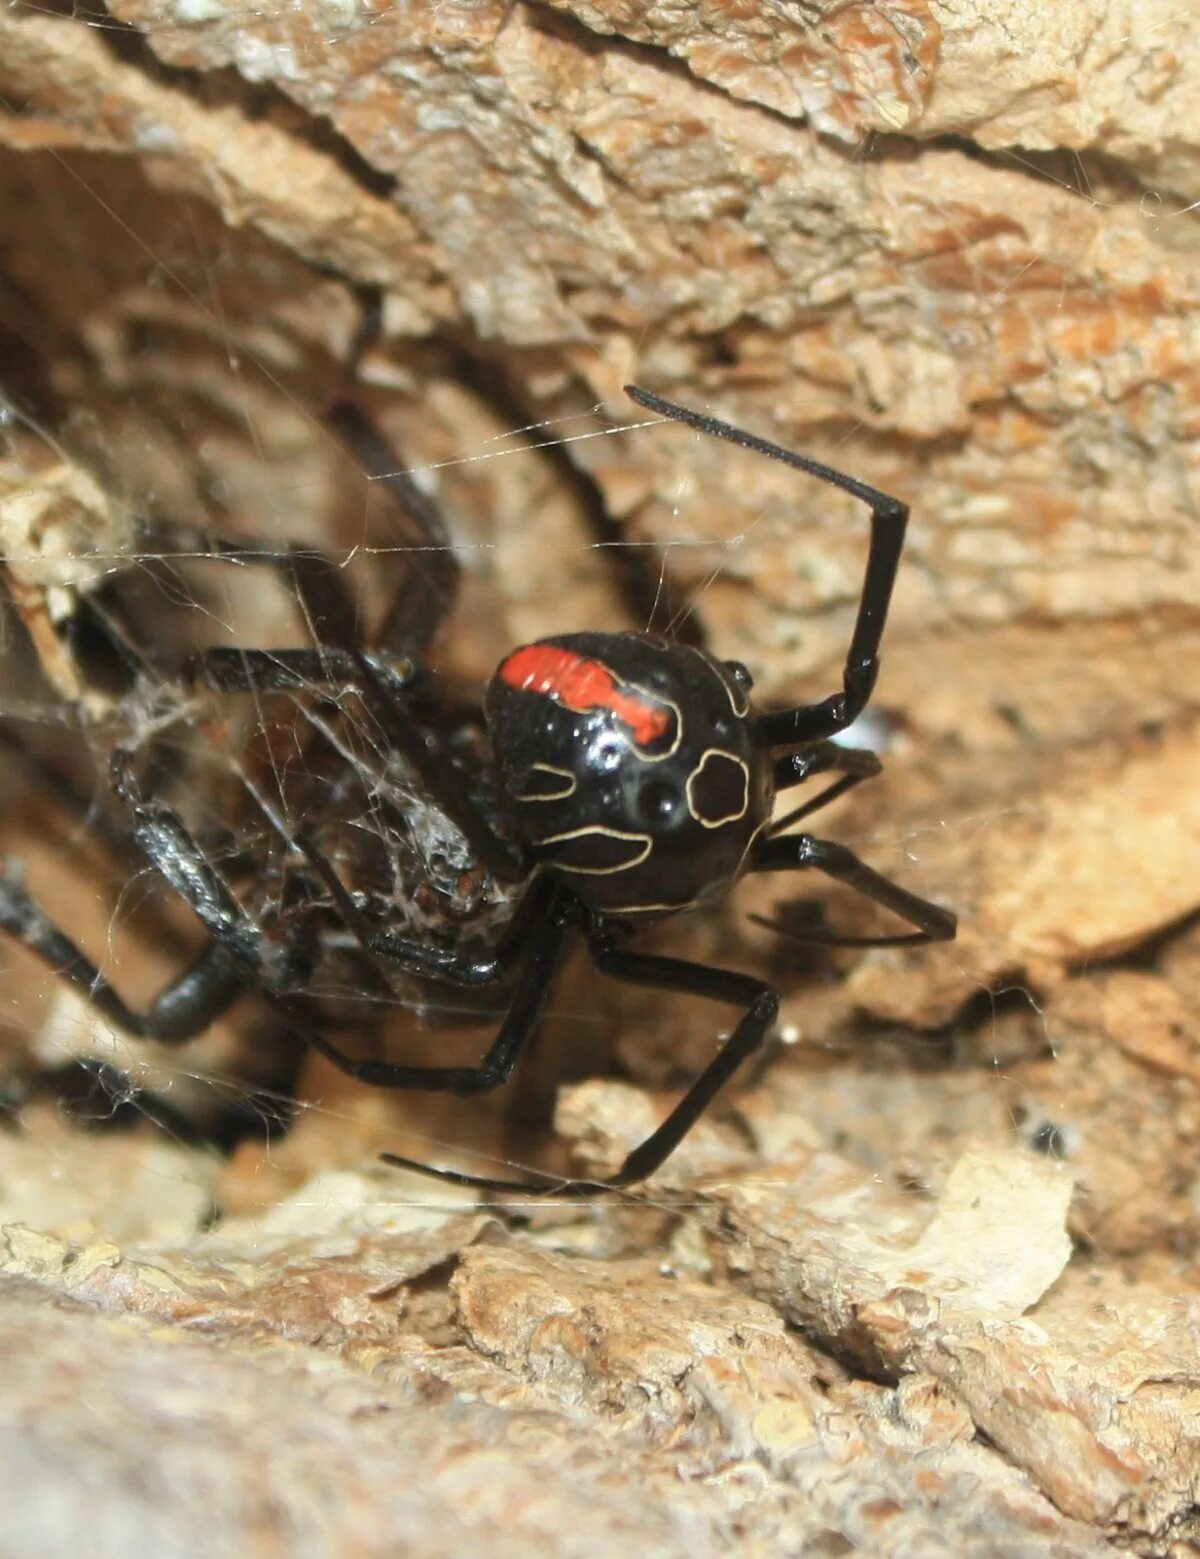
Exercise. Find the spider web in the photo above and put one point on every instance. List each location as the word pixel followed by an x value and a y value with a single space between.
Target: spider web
pixel 241 448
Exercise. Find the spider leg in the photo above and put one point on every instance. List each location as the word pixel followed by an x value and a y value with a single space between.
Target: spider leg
pixel 227 669
pixel 760 1002
pixel 430 585
pixel 418 958
pixel 853 763
pixel 532 990
pixel 167 843
pixel 889 519
pixel 418 529
pixel 182 1010
pixel 803 852
pixel 191 1001
pixel 825 758
pixel 428 589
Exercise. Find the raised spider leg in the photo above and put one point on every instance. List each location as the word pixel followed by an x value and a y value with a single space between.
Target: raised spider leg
pixel 761 1005
pixel 803 852
pixel 427 592
pixel 889 519
pixel 430 583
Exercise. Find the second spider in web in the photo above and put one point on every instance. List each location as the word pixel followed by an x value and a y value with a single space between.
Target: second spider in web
pixel 613 780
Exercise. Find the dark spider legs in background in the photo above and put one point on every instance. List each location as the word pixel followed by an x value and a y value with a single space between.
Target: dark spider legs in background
pixel 240 954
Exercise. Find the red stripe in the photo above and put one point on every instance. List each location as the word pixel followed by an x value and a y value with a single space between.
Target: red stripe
pixel 581 685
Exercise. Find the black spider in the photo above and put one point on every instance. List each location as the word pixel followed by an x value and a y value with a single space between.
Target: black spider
pixel 611 780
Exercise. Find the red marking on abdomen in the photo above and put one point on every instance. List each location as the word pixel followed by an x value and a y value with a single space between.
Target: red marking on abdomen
pixel 580 685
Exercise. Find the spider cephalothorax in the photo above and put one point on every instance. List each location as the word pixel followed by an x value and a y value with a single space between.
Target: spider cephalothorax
pixel 634 767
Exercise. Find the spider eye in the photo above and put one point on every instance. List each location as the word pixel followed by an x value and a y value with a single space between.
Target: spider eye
pixel 657 801
pixel 608 753
pixel 740 675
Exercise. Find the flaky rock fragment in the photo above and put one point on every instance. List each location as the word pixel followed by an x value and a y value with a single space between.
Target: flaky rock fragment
pixel 1093 1393
pixel 1015 76
pixel 558 1405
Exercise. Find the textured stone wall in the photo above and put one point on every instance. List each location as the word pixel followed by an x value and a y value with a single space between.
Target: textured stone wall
pixel 951 249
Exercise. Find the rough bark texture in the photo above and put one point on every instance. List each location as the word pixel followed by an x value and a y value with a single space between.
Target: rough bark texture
pixel 931 1284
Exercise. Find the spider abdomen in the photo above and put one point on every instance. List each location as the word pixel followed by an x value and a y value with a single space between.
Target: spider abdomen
pixel 631 766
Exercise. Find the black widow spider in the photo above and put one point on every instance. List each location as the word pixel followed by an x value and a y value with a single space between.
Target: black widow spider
pixel 625 778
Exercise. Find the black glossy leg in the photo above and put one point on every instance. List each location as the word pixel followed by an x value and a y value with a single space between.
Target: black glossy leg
pixel 430 583
pixel 184 1009
pixel 529 999
pixel 418 958
pixel 166 842
pixel 794 768
pixel 802 852
pixel 761 1004
pixel 230 670
pixel 889 519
